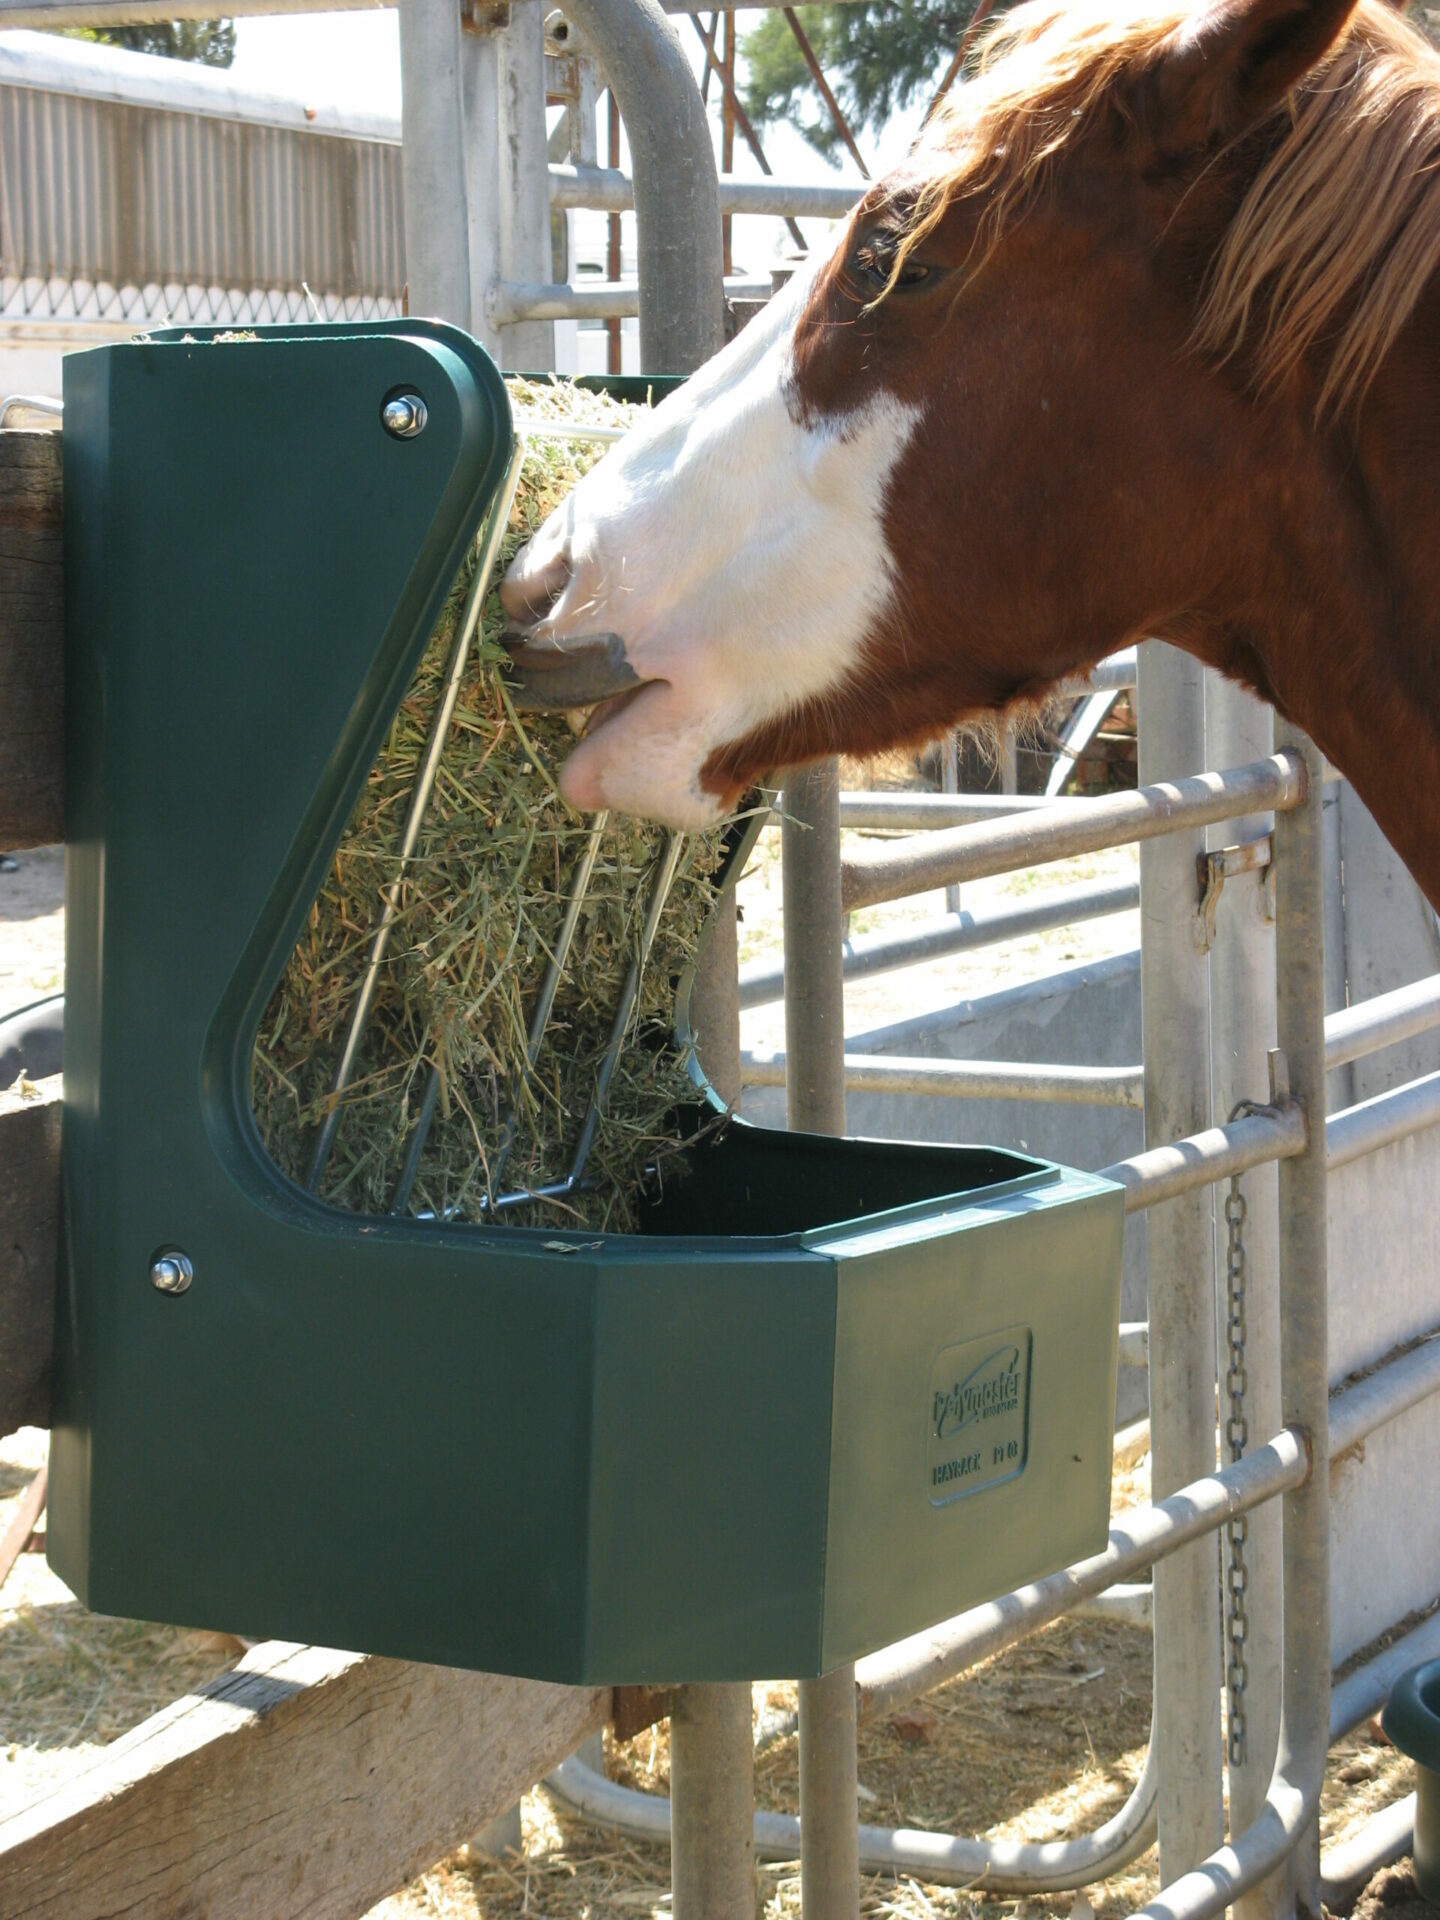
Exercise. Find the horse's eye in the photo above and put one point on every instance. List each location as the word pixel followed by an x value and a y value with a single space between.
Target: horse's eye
pixel 875 263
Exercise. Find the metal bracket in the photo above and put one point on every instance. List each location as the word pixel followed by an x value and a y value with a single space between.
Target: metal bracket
pixel 484 16
pixel 1212 870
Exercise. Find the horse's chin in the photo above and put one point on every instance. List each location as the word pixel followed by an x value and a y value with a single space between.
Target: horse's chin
pixel 640 755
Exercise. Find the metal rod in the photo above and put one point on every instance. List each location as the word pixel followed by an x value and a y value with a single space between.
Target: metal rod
pixel 1183 1166
pixel 1382 1121
pixel 669 859
pixel 727 122
pixel 712 1803
pixel 1304 1337
pixel 1114 673
pixel 1382 1021
pixel 712 1756
pixel 30 403
pixel 1395 1386
pixel 1059 832
pixel 1384 1837
pixel 419 801
pixel 815 1102
pixel 1138 1539
pixel 966 1079
pixel 611 190
pixel 949 783
pixel 514 301
pixel 1175 1019
pixel 437 232
pixel 930 812
pixel 962 932
pixel 1239 727
pixel 614 263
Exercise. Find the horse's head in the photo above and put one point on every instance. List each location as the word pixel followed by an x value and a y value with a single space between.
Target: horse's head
pixel 971 451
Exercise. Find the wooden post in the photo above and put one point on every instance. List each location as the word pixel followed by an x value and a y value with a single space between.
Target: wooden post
pixel 32 657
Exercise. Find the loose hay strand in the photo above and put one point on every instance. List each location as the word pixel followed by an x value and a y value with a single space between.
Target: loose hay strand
pixel 478 911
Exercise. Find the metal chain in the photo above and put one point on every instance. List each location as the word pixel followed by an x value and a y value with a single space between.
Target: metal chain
pixel 1237 1435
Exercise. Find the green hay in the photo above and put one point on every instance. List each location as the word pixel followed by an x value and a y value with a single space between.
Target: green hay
pixel 480 908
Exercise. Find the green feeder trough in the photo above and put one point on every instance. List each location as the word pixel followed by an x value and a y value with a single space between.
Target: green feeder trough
pixel 835 1391
pixel 1411 1720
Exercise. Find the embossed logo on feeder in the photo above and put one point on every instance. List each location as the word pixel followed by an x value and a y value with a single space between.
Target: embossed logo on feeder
pixel 978 1414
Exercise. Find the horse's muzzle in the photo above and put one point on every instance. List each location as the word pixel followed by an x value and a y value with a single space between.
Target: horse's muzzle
pixel 581 673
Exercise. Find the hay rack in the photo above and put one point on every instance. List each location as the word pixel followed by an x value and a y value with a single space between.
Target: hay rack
pixel 835 1391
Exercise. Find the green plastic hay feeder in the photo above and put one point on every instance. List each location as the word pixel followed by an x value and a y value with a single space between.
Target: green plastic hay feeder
pixel 836 1391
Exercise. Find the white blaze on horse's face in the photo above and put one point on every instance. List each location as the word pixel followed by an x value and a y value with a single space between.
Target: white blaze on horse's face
pixel 737 547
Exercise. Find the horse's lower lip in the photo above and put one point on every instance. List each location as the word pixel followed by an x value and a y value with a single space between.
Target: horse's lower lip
pixel 582 673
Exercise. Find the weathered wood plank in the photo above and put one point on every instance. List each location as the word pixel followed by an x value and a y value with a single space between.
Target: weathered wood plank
pixel 305 1782
pixel 29 1227
pixel 32 660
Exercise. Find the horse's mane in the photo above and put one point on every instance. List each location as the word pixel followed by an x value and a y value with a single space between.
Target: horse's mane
pixel 1335 238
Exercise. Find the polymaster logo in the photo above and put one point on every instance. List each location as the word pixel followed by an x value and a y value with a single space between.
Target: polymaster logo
pixel 991 1390
pixel 978 1414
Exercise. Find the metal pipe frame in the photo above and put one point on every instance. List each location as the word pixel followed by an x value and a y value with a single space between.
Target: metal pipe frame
pixel 610 190
pixel 930 812
pixel 1238 727
pixel 959 932
pixel 966 1079
pixel 1175 1025
pixel 815 1102
pixel 1382 1021
pixel 870 876
pixel 512 302
pixel 1181 1166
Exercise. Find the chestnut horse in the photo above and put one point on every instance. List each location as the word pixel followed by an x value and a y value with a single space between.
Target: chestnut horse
pixel 1143 339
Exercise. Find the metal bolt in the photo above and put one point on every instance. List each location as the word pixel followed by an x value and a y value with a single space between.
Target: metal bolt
pixel 404 415
pixel 171 1272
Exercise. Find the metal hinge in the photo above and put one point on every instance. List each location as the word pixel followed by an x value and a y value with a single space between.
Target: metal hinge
pixel 1212 870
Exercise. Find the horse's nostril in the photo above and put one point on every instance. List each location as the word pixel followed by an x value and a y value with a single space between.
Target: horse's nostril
pixel 533 595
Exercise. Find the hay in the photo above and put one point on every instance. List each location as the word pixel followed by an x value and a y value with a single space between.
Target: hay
pixel 480 906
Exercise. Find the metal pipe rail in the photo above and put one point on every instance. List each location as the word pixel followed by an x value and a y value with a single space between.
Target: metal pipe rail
pixel 512 301
pixel 911 1667
pixel 928 812
pixel 763 981
pixel 610 190
pixel 1382 1021
pixel 965 1079
pixel 1380 1122
pixel 870 876
pixel 1199 1160
pixel 1115 673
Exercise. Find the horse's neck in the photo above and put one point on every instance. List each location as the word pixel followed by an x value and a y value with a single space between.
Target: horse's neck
pixel 1364 650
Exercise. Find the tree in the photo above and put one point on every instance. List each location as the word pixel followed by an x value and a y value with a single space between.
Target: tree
pixel 210 43
pixel 879 55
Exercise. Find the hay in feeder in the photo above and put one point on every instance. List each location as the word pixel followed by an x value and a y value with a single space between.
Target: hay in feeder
pixel 479 908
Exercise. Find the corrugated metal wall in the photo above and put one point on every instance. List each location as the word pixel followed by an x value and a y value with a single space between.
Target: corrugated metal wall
pixel 100 192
